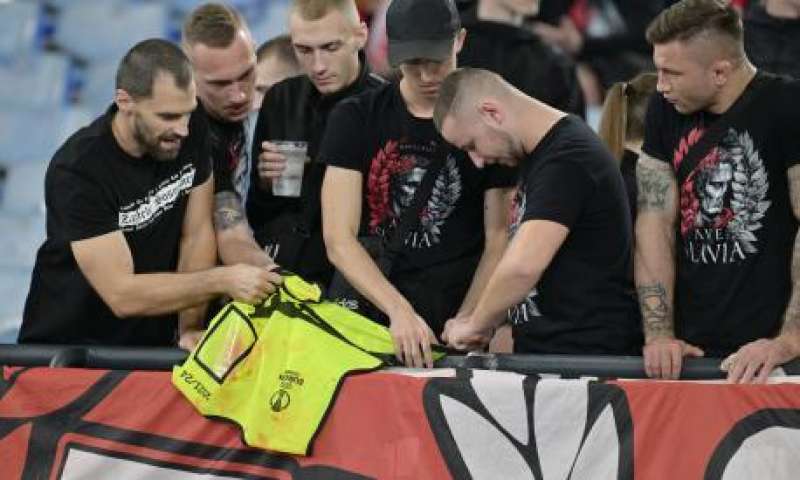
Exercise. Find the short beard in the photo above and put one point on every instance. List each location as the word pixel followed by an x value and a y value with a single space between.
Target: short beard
pixel 150 144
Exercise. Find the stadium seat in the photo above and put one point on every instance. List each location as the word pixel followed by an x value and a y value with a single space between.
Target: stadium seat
pixel 98 87
pixel 103 30
pixel 34 134
pixel 39 81
pixel 19 25
pixel 14 283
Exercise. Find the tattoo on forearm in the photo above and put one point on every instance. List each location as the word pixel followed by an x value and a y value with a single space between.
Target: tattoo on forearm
pixel 654 185
pixel 656 312
pixel 228 211
pixel 791 318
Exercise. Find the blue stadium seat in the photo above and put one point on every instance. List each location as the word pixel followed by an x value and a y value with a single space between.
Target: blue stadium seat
pixel 39 81
pixel 98 88
pixel 103 30
pixel 19 25
pixel 34 134
pixel 272 22
pixel 14 283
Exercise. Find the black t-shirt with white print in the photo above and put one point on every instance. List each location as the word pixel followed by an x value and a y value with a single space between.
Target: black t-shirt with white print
pixel 375 134
pixel 92 187
pixel 736 228
pixel 585 300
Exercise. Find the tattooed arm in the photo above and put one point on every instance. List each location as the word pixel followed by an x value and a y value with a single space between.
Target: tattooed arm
pixel 654 262
pixel 754 361
pixel 234 237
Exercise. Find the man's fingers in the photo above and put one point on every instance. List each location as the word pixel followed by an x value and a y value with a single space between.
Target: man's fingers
pixel 664 363
pixel 427 354
pixel 399 352
pixel 676 356
pixel 735 371
pixel 750 371
pixel 415 356
pixel 647 353
pixel 766 369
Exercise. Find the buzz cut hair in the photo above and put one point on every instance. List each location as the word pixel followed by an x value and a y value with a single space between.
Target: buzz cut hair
pixel 279 47
pixel 214 25
pixel 690 19
pixel 146 60
pixel 461 84
pixel 315 9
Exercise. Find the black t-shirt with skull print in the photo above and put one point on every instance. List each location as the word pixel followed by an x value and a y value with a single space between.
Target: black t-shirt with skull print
pixel 736 229
pixel 584 301
pixel 375 134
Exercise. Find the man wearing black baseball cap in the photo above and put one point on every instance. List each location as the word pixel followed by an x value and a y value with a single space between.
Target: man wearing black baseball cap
pixel 426 259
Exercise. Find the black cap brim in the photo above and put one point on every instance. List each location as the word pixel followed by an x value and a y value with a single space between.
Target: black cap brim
pixel 438 50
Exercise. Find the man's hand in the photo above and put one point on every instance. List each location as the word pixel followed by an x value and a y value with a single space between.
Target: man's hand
pixel 412 339
pixel 249 284
pixel 663 357
pixel 460 333
pixel 271 164
pixel 190 338
pixel 755 360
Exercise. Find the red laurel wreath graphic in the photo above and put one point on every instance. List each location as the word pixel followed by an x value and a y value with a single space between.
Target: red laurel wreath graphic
pixel 689 201
pixel 386 163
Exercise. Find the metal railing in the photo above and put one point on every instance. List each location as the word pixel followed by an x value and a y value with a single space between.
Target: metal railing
pixel 570 366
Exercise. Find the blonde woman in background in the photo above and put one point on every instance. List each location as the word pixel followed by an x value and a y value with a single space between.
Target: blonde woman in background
pixel 622 126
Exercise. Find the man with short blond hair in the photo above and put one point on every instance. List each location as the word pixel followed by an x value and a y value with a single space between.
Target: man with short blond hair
pixel 327 38
pixel 219 45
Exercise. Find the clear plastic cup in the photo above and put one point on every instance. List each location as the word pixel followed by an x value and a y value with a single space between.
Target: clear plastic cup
pixel 290 183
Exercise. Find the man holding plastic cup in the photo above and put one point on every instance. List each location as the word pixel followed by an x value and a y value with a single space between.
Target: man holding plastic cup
pixel 283 200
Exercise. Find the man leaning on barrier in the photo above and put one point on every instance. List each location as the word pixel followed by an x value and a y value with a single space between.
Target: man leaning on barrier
pixel 566 280
pixel 717 252
pixel 130 242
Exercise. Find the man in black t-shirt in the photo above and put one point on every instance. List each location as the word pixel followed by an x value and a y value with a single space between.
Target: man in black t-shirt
pixel 570 228
pixel 379 147
pixel 129 237
pixel 498 42
pixel 327 37
pixel 719 193
pixel 219 45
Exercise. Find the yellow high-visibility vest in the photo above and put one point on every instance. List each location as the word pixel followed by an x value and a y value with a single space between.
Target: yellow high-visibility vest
pixel 273 369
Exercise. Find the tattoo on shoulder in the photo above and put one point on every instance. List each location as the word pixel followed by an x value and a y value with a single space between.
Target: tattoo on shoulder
pixel 656 312
pixel 228 211
pixel 654 179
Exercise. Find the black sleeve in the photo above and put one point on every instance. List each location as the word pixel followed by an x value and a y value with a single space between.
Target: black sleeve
pixel 201 146
pixel 259 135
pixel 557 192
pixel 654 130
pixel 343 144
pixel 499 176
pixel 81 204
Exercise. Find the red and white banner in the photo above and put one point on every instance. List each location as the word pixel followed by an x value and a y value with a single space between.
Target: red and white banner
pixel 72 423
